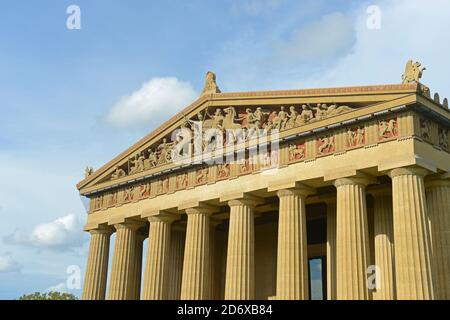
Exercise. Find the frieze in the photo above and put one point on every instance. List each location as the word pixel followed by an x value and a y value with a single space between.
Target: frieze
pixel 302 149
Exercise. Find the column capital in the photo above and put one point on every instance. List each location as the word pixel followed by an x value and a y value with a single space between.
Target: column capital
pixel 102 229
pixel 361 179
pixel 129 224
pixel 300 190
pixel 159 215
pixel 245 201
pixel 141 235
pixel 379 191
pixel 215 222
pixel 202 209
pixel 241 198
pixel 162 216
pixel 413 170
pixel 329 198
pixel 180 227
pixel 438 180
pixel 290 185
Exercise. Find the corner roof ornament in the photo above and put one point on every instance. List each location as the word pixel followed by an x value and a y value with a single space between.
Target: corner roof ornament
pixel 210 84
pixel 88 171
pixel 413 72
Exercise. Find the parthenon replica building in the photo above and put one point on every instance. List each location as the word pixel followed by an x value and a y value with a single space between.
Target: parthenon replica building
pixel 239 191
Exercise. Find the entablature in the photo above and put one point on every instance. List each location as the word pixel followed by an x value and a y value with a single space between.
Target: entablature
pixel 308 124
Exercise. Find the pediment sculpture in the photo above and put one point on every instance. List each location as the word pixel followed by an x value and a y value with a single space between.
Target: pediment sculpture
pixel 210 84
pixel 413 72
pixel 249 121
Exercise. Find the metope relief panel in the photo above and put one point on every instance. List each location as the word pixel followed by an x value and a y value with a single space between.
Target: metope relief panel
pixel 443 134
pixel 425 128
pixel 387 129
pixel 355 137
pixel 245 166
pixel 223 171
pixel 182 181
pixel 325 145
pixel 201 175
pixel 297 152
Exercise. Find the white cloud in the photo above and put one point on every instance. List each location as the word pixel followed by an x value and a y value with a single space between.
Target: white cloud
pixel 8 264
pixel 157 97
pixel 301 43
pixel 410 29
pixel 348 54
pixel 63 233
pixel 332 35
pixel 255 7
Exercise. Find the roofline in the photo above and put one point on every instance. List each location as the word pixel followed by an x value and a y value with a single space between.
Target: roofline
pixel 354 90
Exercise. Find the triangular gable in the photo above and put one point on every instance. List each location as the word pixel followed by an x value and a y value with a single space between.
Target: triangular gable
pixel 348 99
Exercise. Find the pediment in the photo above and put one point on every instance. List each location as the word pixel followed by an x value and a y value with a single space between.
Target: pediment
pixel 287 111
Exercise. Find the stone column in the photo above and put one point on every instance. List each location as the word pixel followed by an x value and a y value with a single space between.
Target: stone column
pixel 438 200
pixel 411 235
pixel 121 285
pixel 196 266
pixel 352 239
pixel 97 265
pixel 176 252
pixel 156 269
pixel 292 255
pixel 212 258
pixel 384 245
pixel 240 271
pixel 140 237
pixel 331 250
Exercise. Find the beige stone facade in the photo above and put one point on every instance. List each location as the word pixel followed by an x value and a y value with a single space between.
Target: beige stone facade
pixel 356 176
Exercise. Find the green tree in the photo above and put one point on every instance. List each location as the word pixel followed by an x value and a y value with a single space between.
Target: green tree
pixel 48 296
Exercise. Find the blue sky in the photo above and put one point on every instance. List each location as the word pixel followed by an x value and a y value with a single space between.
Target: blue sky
pixel 69 98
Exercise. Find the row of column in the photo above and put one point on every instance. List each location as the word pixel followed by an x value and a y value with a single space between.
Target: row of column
pixel 412 239
pixel 405 270
pixel 196 275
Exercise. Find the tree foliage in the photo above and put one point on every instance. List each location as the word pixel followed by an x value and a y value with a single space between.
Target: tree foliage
pixel 53 295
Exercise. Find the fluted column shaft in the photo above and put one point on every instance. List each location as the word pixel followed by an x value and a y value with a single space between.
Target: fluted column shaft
pixel 384 247
pixel 331 250
pixel 140 237
pixel 97 265
pixel 176 252
pixel 411 235
pixel 121 285
pixel 196 266
pixel 292 255
pixel 438 200
pixel 156 269
pixel 212 258
pixel 240 272
pixel 352 239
